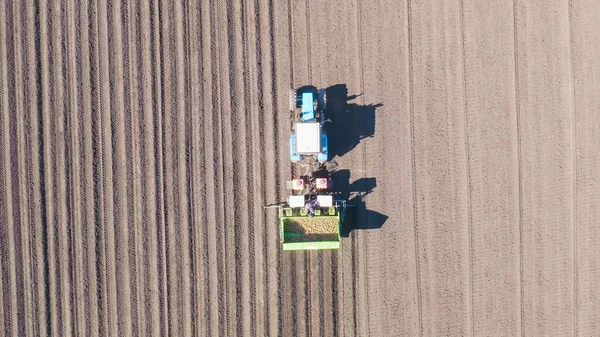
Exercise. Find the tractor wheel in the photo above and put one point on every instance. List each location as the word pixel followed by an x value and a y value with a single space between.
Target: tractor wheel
pixel 292 99
pixel 323 99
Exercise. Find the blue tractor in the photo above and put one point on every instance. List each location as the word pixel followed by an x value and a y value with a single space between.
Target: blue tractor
pixel 308 139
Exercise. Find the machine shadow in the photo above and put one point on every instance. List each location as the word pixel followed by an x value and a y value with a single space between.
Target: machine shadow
pixel 357 215
pixel 350 122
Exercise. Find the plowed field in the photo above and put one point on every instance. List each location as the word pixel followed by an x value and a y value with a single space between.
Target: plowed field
pixel 140 141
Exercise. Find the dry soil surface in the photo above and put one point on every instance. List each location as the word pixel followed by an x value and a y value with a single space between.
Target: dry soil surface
pixel 140 140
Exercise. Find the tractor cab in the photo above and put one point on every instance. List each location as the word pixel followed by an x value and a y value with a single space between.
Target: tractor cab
pixel 308 138
pixel 308 107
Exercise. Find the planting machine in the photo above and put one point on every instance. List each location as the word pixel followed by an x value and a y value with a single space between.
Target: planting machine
pixel 312 217
pixel 313 214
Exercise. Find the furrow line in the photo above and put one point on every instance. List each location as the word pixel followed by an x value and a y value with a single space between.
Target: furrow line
pixel 468 169
pixel 119 169
pixel 320 310
pixel 492 161
pixel 7 247
pixel 277 37
pixel 376 157
pixel 269 140
pixel 298 277
pixel 159 111
pixel 308 41
pixel 238 234
pixel 105 176
pixel 191 94
pixel 211 217
pixel 311 294
pixel 74 197
pixel 3 315
pixel 20 178
pixel 48 174
pixel 32 65
pixel 61 244
pixel 354 262
pixel 289 297
pixel 181 197
pixel 168 112
pixel 218 167
pixel 225 166
pixel 148 172
pixel 133 137
pixel 574 173
pixel 251 28
pixel 96 125
pixel 585 78
pixel 325 301
pixel 266 195
pixel 547 161
pixel 413 165
pixel 364 164
pixel 519 161
pixel 86 133
pixel 194 91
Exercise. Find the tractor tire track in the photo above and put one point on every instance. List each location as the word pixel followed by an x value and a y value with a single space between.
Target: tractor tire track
pixel 547 168
pixel 442 182
pixel 392 307
pixel 493 148
pixel 586 79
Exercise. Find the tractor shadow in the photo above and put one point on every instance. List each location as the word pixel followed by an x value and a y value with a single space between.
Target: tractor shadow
pixel 358 217
pixel 350 122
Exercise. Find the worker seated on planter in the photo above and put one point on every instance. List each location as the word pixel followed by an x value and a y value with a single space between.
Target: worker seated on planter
pixel 310 208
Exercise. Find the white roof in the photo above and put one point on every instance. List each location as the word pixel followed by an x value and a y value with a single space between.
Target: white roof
pixel 296 201
pixel 308 138
pixel 325 200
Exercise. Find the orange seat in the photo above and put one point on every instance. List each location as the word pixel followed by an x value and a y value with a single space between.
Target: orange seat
pixel 298 184
pixel 321 183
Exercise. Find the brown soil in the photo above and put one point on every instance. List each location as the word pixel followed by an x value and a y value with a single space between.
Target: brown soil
pixel 140 140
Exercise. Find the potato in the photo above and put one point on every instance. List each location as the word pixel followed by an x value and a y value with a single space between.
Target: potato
pixel 311 229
